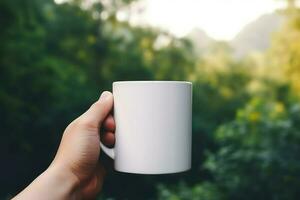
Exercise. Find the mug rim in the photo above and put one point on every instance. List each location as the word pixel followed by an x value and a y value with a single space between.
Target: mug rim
pixel 148 82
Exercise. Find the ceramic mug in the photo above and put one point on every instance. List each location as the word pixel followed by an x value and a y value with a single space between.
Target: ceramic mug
pixel 153 127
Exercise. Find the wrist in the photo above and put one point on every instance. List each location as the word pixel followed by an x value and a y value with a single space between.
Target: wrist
pixel 67 182
pixel 54 183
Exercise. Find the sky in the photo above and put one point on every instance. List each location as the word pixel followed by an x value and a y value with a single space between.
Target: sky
pixel 220 19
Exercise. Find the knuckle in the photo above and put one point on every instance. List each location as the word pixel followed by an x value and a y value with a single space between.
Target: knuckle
pixel 71 126
pixel 97 104
pixel 87 123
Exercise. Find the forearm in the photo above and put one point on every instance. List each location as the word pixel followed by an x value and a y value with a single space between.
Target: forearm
pixel 54 184
pixel 76 172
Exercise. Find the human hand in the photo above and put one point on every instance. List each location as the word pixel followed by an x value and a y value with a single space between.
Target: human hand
pixel 75 171
pixel 79 150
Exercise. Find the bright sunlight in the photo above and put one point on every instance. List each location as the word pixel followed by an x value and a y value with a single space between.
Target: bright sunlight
pixel 218 18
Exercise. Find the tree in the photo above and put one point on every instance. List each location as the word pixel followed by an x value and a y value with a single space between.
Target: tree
pixel 285 50
pixel 258 156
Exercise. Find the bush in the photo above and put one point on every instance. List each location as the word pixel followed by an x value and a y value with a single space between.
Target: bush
pixel 258 157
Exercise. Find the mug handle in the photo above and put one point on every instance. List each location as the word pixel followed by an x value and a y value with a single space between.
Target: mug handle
pixel 108 151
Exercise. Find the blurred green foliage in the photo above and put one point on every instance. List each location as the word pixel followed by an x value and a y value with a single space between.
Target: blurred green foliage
pixel 258 155
pixel 55 59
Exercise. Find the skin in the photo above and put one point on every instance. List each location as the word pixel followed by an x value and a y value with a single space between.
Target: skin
pixel 75 172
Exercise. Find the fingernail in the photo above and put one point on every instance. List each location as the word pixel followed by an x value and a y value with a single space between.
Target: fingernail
pixel 104 95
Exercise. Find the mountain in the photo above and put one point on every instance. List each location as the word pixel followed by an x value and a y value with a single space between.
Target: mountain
pixel 200 40
pixel 256 36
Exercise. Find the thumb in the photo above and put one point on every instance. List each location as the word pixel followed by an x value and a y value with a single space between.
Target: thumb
pixel 96 114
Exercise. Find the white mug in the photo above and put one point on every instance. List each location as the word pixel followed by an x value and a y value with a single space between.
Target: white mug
pixel 153 127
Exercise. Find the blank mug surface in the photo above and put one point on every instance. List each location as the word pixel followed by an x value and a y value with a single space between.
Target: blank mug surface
pixel 153 126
